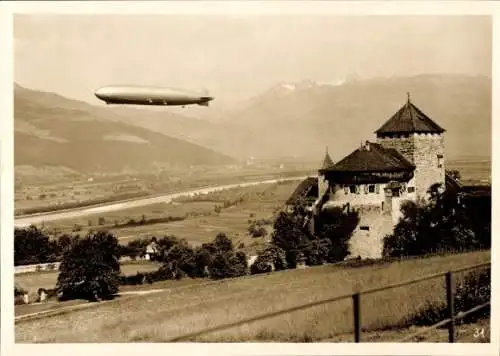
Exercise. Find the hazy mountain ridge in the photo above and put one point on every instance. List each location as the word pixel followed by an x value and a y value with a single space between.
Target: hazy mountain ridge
pixel 51 130
pixel 287 120
pixel 302 122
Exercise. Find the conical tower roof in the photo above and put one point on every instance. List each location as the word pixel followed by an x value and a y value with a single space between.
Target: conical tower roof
pixel 409 119
pixel 327 161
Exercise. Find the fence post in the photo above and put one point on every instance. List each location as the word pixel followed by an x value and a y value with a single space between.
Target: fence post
pixel 356 308
pixel 450 296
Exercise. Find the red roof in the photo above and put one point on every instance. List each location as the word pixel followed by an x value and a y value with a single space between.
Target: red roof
pixel 409 119
pixel 372 157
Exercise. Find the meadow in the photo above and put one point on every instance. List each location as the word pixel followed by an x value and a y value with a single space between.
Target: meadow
pixel 161 316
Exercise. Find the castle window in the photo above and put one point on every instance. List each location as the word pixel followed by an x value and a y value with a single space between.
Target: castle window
pixel 371 188
pixel 352 189
pixel 440 161
pixel 411 189
pixel 366 228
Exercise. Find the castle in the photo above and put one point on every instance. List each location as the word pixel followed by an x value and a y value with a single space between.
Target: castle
pixel 404 162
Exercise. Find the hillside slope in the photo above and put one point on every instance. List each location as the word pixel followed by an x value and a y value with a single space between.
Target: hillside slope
pixel 51 130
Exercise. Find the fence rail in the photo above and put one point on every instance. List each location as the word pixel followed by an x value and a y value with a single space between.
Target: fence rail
pixel 356 303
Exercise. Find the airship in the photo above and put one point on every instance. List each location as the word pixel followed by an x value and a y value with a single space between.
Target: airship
pixel 142 95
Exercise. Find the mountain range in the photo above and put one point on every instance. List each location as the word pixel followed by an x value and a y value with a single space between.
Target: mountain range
pixel 303 119
pixel 288 120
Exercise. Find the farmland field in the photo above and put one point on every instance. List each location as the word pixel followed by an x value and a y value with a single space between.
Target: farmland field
pixel 34 194
pixel 202 220
pixel 473 171
pixel 201 307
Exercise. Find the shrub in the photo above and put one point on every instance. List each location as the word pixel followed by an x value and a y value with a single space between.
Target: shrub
pixel 134 248
pixel 18 291
pixel 261 265
pixel 256 230
pixel 90 268
pixel 272 258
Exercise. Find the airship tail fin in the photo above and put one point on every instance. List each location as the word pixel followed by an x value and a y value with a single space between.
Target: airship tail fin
pixel 203 103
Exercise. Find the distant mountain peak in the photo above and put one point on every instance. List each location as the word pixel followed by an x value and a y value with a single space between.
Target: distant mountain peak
pixel 305 84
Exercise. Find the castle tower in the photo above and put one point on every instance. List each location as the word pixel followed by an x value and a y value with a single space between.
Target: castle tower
pixel 420 140
pixel 322 182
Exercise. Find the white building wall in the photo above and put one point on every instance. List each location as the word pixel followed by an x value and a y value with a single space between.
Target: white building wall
pixel 341 194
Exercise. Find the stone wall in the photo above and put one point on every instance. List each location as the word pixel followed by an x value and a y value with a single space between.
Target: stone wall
pixel 323 186
pixel 422 150
pixel 369 243
pixel 428 171
pixel 404 144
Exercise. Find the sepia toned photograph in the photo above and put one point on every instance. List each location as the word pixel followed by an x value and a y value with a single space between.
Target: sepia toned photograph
pixel 246 178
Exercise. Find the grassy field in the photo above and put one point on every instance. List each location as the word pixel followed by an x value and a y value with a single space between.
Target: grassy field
pixel 202 222
pixel 162 316
pixel 465 333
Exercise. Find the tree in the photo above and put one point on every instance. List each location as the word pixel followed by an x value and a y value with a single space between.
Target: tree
pixel 223 243
pixel 31 246
pixel 90 268
pixel 180 260
pixel 290 236
pixel 337 227
pixel 227 264
pixel 426 227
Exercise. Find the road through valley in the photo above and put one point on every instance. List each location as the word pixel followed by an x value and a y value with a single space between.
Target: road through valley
pixel 24 221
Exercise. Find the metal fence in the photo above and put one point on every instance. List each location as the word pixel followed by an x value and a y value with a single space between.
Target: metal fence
pixel 356 298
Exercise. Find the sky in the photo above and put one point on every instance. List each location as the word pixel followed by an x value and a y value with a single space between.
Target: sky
pixel 236 57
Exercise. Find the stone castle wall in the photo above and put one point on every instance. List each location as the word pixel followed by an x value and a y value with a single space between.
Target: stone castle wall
pixel 323 186
pixel 404 144
pixel 422 150
pixel 370 243
pixel 428 172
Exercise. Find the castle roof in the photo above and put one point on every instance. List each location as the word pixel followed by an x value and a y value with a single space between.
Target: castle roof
pixel 327 162
pixel 372 157
pixel 303 190
pixel 409 119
